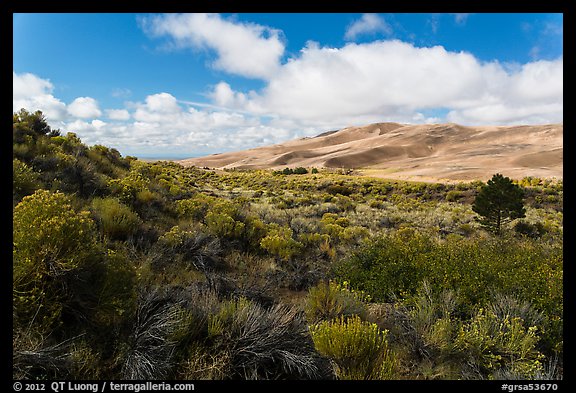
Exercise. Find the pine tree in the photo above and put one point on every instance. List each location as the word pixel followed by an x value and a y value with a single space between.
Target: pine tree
pixel 498 202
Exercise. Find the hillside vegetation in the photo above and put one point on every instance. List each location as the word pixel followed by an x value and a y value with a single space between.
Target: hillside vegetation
pixel 124 269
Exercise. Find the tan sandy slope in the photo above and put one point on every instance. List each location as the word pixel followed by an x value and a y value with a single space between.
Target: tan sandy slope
pixel 427 152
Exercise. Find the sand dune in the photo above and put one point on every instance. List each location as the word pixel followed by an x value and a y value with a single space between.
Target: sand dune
pixel 426 152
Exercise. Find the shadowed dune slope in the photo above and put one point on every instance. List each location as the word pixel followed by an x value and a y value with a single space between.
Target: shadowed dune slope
pixel 426 152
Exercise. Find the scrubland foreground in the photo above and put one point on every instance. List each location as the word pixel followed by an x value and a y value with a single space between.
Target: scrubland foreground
pixel 124 269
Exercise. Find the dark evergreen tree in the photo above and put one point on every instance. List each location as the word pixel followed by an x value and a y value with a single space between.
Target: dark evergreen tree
pixel 498 202
pixel 31 124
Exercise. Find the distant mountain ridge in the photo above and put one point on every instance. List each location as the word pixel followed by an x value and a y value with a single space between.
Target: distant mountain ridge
pixel 425 151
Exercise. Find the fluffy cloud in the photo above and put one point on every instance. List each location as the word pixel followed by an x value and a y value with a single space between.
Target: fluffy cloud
pixel 34 93
pixel 397 81
pixel 531 95
pixel 27 84
pixel 83 126
pixel 31 92
pixel 537 81
pixel 378 77
pixel 162 125
pixel 157 106
pixel 245 49
pixel 118 114
pixel 84 108
pixel 368 24
pixel 223 95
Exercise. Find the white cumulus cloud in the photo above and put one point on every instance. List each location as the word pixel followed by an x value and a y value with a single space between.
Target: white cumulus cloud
pixel 34 93
pixel 84 108
pixel 397 81
pixel 245 49
pixel 162 103
pixel 223 95
pixel 118 114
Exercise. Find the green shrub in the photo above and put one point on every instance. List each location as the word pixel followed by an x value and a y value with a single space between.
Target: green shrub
pixel 331 218
pixel 279 243
pixel 339 228
pixel 51 240
pixel 431 318
pixel 22 151
pixel 129 186
pixel 108 160
pixel 394 265
pixel 446 345
pixel 345 203
pixel 229 220
pixel 182 248
pixel 24 179
pixel 335 189
pixel 512 306
pixel 49 234
pixel 195 207
pixel 425 328
pixel 535 230
pixel 386 267
pixel 359 349
pixel 454 195
pixel 327 301
pixel 354 234
pixel 146 196
pixel 76 174
pixel 465 229
pixel 115 220
pixel 491 343
pixel 117 290
pixel 223 225
pixel 34 125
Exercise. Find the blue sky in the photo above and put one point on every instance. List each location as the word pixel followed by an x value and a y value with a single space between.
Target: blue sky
pixel 182 85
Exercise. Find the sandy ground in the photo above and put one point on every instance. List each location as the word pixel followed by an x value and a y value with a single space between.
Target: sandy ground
pixel 430 152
